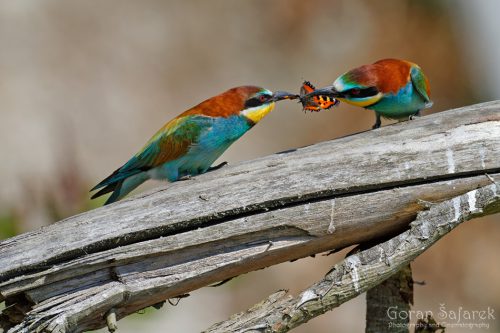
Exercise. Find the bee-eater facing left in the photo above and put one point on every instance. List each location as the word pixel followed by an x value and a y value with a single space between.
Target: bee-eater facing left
pixel 188 144
pixel 393 88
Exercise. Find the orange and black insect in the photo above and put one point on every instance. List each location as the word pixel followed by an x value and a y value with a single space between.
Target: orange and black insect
pixel 315 103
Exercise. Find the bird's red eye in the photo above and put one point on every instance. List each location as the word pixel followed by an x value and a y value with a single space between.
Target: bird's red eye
pixel 355 92
pixel 262 98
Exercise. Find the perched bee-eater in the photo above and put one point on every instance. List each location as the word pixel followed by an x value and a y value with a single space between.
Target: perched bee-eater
pixel 188 144
pixel 393 88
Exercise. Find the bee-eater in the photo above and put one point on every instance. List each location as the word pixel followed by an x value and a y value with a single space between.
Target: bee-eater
pixel 393 88
pixel 188 144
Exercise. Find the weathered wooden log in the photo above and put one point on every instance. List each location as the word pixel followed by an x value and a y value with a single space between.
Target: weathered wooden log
pixel 365 269
pixel 167 242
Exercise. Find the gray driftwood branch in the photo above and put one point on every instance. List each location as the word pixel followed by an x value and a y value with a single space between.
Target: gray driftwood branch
pixel 361 271
pixel 121 258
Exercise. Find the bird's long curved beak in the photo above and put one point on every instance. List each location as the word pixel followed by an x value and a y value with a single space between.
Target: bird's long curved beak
pixel 329 91
pixel 280 95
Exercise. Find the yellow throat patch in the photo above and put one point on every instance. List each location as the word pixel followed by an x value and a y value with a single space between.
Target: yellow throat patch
pixel 255 114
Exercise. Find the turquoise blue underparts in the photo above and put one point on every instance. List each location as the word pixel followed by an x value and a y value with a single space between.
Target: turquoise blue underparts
pixel 406 102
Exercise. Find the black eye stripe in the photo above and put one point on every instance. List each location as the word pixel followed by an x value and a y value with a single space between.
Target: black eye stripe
pixel 256 101
pixel 361 93
pixel 252 102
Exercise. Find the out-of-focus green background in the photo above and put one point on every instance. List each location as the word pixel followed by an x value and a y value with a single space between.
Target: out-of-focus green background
pixel 83 84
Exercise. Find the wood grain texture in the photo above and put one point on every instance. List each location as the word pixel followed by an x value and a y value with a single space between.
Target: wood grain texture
pixel 240 218
pixel 363 270
pixel 395 292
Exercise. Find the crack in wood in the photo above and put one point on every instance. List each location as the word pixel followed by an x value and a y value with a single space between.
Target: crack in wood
pixel 222 217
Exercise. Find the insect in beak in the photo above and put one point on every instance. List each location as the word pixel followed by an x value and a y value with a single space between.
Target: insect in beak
pixel 315 100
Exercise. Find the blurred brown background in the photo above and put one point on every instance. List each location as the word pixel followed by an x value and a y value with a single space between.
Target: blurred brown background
pixel 83 84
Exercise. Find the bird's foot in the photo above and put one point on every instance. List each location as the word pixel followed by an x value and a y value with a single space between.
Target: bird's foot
pixel 218 166
pixel 415 116
pixel 186 177
pixel 378 121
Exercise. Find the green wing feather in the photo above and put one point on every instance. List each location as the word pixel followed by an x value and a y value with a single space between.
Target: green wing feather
pixel 171 142
pixel 420 83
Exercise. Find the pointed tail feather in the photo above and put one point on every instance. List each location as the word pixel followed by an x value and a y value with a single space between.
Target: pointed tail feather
pixel 107 189
pixel 117 194
pixel 122 187
pixel 114 178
